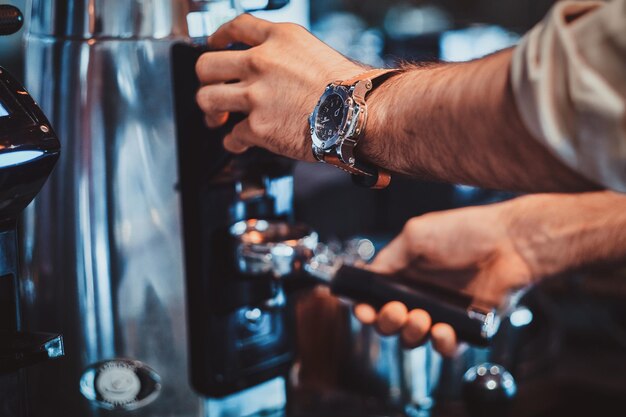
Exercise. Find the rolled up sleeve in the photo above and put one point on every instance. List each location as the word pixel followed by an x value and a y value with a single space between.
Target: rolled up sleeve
pixel 569 81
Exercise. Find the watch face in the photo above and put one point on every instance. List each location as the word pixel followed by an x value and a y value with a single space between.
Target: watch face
pixel 329 117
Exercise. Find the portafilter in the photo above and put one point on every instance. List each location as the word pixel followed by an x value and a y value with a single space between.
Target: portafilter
pixel 290 251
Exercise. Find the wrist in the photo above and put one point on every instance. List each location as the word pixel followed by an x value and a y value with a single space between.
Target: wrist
pixel 535 227
pixel 397 122
pixel 375 144
pixel 556 233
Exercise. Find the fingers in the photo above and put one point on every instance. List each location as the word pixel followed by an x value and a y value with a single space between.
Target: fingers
pixel 216 101
pixel 365 313
pixel 237 141
pixel 245 29
pixel 216 120
pixel 413 326
pixel 221 66
pixel 444 340
pixel 416 328
pixel 392 317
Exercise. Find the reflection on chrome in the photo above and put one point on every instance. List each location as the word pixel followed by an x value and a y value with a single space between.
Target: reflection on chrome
pixel 521 317
pixel 18 157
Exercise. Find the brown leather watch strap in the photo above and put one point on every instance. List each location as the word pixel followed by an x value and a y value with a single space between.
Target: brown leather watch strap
pixel 362 174
pixel 372 75
pixel 350 169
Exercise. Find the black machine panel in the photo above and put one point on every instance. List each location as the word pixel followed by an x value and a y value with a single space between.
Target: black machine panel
pixel 25 136
pixel 237 328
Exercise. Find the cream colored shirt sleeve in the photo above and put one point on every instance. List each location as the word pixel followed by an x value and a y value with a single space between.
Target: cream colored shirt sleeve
pixel 569 81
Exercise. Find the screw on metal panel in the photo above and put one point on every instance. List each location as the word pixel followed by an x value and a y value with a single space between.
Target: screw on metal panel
pixel 44 128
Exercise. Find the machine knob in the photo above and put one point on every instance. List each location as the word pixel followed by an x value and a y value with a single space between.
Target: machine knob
pixel 11 20
pixel 488 390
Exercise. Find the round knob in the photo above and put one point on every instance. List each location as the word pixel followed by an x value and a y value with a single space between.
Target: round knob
pixel 11 20
pixel 488 390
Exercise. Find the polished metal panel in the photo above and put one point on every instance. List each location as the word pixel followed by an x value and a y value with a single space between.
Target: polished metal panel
pixel 102 244
pixel 87 19
pixel 103 252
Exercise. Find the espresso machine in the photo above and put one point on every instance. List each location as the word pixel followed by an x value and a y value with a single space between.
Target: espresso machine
pixel 29 150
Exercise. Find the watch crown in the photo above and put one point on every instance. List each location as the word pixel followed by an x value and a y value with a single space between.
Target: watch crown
pixel 351 161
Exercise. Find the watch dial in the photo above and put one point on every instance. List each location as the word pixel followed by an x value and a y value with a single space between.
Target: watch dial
pixel 329 117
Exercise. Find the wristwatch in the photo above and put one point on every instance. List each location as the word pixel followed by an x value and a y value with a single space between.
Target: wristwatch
pixel 338 121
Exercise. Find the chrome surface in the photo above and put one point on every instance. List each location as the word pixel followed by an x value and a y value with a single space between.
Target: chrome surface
pixel 120 384
pixel 102 243
pixel 206 16
pixel 54 348
pixel 277 248
pixel 122 19
pixel 421 369
pixel 267 399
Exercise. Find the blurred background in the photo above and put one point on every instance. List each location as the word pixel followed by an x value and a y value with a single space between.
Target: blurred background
pixel 375 30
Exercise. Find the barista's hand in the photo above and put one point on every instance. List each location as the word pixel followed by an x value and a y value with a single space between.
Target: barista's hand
pixel 488 251
pixel 470 249
pixel 276 83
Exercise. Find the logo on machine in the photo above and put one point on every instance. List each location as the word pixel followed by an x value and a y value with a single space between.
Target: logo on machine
pixel 120 384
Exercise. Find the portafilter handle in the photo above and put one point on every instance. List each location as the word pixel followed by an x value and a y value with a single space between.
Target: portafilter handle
pixel 473 323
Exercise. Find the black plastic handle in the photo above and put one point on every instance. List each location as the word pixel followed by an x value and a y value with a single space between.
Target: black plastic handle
pixel 276 4
pixel 11 20
pixel 443 305
pixel 270 5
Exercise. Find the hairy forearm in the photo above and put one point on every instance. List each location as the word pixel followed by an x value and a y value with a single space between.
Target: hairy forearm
pixel 559 232
pixel 458 123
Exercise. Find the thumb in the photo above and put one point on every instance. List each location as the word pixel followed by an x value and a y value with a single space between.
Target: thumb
pixel 245 29
pixel 392 258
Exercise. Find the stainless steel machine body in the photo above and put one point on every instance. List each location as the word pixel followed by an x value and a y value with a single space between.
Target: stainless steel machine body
pixel 103 257
pixel 103 246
